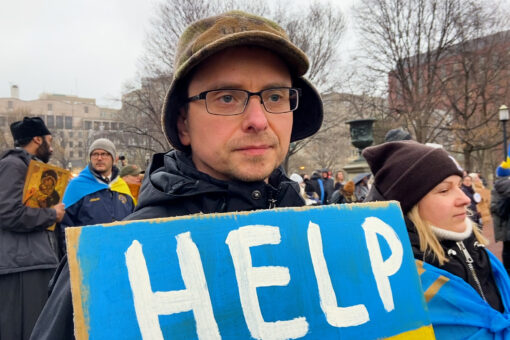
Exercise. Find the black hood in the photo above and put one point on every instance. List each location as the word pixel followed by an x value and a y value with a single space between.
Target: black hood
pixel 172 177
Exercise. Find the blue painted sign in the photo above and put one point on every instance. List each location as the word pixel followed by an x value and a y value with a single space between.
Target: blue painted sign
pixel 332 272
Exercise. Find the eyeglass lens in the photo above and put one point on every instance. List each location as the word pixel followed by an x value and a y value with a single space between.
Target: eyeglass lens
pixel 229 102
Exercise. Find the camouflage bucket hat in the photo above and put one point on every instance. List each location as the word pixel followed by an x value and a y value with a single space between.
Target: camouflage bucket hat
pixel 211 35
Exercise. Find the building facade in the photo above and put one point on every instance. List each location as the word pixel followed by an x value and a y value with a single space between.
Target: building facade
pixel 75 123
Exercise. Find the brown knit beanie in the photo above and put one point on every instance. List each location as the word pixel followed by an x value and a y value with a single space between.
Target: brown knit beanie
pixel 406 171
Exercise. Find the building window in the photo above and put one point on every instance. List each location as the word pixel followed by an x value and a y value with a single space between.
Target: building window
pixel 69 123
pixel 80 154
pixel 80 134
pixel 70 144
pixel 86 109
pixel 80 144
pixel 60 122
pixel 3 121
pixel 106 125
pixel 71 154
pixel 88 125
pixel 96 126
pixel 114 126
pixel 50 107
pixel 70 134
pixel 50 121
pixel 9 104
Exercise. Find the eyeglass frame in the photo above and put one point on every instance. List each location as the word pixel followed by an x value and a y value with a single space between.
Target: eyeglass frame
pixel 202 96
pixel 102 155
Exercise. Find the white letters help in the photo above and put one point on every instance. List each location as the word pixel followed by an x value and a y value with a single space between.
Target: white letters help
pixel 149 304
pixel 249 278
pixel 336 316
pixel 383 269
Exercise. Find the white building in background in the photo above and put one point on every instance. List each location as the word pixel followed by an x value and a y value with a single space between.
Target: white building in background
pixel 74 122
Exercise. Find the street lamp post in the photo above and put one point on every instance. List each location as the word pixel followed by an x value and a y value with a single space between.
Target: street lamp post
pixel 503 117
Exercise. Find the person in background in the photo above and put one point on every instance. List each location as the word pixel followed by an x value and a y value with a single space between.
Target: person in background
pixel 298 179
pixel 28 250
pixel 344 195
pixel 396 135
pixel 500 209
pixel 484 206
pixel 97 194
pixel 339 180
pixel 131 174
pixel 361 188
pixel 474 197
pixel 123 161
pixel 329 185
pixel 466 287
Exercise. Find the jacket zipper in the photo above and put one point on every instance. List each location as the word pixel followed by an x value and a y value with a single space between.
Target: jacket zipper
pixel 469 261
pixel 271 201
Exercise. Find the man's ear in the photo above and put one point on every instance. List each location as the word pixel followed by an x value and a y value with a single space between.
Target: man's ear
pixel 37 140
pixel 182 128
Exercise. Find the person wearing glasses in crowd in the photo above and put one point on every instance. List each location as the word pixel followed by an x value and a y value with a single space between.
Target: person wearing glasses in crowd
pixel 237 101
pixel 97 194
pixel 466 287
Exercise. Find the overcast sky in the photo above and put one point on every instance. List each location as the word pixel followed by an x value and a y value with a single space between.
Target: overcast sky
pixel 88 48
pixel 82 47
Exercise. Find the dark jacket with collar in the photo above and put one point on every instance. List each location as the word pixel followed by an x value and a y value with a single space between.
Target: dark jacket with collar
pixel 25 244
pixel 172 187
pixel 103 206
pixel 457 263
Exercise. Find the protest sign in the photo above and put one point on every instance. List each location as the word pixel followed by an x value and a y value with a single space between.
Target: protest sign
pixel 340 271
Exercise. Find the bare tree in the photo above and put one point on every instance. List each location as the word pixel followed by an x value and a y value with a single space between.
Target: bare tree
pixel 474 93
pixel 421 49
pixel 316 28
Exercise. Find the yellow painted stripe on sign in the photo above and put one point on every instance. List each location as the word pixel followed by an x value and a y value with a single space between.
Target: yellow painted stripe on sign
pixel 425 332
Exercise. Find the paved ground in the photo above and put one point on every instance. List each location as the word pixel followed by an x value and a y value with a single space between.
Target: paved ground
pixel 494 247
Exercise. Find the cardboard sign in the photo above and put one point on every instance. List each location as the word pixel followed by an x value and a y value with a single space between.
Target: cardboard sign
pixel 44 185
pixel 332 272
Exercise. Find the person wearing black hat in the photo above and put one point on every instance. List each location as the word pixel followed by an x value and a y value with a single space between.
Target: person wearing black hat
pixel 237 100
pixel 28 252
pixel 466 287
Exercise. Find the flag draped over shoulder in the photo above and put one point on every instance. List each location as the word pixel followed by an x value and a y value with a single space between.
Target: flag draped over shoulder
pixel 457 311
pixel 86 183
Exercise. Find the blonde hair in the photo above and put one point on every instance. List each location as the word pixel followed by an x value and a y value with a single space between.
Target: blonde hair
pixel 429 243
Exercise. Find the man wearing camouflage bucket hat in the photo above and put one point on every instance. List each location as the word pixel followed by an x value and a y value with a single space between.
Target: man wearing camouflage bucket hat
pixel 237 101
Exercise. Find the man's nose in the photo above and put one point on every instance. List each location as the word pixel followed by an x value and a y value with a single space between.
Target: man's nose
pixel 255 115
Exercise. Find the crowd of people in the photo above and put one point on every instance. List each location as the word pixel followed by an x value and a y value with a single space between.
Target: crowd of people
pixel 237 100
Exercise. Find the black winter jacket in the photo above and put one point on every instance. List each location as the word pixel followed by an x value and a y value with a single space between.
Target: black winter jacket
pixel 172 187
pixel 500 193
pixel 25 244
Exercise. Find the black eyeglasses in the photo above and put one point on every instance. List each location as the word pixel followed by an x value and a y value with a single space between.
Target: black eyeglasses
pixel 230 102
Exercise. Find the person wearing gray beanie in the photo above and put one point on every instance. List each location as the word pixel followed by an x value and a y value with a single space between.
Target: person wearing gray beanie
pixel 98 194
pixel 466 286
pixel 104 144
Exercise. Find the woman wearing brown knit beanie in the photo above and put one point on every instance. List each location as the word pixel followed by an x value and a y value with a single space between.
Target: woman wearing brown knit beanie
pixel 466 287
